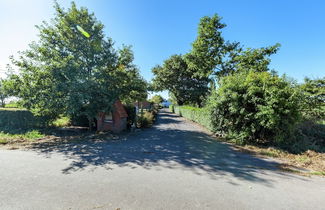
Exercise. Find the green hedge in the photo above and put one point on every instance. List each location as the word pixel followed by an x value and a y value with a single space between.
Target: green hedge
pixel 198 115
pixel 171 108
pixel 17 119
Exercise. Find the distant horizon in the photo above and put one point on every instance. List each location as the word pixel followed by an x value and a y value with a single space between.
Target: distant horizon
pixel 159 29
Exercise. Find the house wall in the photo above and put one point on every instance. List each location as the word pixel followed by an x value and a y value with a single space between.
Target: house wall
pixel 119 122
pixel 119 125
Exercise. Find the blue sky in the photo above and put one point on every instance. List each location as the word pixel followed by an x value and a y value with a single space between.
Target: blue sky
pixel 160 28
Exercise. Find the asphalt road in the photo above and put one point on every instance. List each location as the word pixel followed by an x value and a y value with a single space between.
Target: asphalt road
pixel 174 165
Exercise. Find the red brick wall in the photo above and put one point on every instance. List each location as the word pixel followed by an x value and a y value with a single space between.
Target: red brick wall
pixel 119 122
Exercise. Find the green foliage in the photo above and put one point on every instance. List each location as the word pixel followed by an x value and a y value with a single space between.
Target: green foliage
pixel 187 77
pixel 190 78
pixel 3 94
pixel 199 115
pixel 256 107
pixel 211 54
pixel 171 108
pixel 250 59
pixel 62 121
pixel 145 120
pixel 131 84
pixel 155 109
pixel 68 72
pixel 131 111
pixel 34 134
pixel 256 59
pixel 309 135
pixel 314 91
pixel 19 119
pixel 208 48
pixel 30 135
pixel 157 99
pixel 14 104
pixel 176 77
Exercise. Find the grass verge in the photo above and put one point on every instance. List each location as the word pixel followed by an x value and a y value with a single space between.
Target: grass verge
pixel 28 136
pixel 314 162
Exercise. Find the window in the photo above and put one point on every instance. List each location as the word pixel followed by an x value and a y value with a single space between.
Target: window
pixel 108 117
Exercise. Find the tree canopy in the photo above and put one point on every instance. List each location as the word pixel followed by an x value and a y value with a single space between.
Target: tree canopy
pixel 73 68
pixel 175 76
pixel 190 77
pixel 157 99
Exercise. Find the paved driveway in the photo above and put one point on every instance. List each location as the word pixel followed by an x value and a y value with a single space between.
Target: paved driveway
pixel 174 165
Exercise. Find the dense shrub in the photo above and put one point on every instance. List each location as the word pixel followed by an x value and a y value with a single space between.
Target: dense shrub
pixel 309 135
pixel 314 103
pixel 62 121
pixel 19 119
pixel 255 108
pixel 145 120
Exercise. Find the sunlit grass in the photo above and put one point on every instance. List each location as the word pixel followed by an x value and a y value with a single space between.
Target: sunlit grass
pixel 319 173
pixel 62 122
pixel 29 136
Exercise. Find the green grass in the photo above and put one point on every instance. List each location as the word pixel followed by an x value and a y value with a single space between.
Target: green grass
pixel 3 141
pixel 13 105
pixel 318 173
pixel 322 122
pixel 12 109
pixel 271 153
pixel 62 122
pixel 29 136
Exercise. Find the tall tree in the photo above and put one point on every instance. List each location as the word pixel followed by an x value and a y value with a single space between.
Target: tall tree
pixel 72 69
pixel 212 55
pixel 175 76
pixel 157 99
pixel 191 77
pixel 187 77
pixel 210 52
pixel 133 87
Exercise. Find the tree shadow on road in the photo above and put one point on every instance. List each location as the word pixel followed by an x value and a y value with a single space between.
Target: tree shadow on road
pixel 164 147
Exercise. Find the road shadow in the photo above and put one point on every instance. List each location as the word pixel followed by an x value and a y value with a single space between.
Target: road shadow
pixel 162 146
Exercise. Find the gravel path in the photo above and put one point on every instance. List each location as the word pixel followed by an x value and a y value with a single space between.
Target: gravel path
pixel 174 165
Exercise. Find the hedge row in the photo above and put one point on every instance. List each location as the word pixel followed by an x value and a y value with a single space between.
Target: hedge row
pixel 198 115
pixel 16 119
